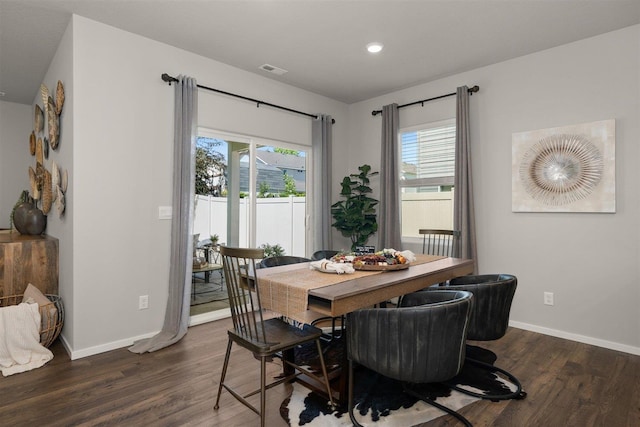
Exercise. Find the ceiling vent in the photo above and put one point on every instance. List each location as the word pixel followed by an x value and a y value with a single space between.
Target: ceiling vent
pixel 272 69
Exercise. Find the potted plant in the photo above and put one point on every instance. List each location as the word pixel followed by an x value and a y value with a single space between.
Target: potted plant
pixel 355 217
pixel 275 250
pixel 214 240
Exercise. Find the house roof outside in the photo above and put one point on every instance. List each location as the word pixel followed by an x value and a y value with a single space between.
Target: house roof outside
pixel 282 161
pixel 271 170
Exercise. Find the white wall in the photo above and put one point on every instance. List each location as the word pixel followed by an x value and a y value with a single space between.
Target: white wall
pixel 16 124
pixel 589 261
pixel 117 144
pixel 123 133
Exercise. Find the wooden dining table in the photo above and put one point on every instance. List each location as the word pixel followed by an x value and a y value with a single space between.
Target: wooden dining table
pixel 302 294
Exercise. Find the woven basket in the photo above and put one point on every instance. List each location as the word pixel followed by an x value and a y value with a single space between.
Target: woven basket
pixel 50 324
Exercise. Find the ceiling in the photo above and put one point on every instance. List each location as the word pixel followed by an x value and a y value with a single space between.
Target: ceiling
pixel 321 43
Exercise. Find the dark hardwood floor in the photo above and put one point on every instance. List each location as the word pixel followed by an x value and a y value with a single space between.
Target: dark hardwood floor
pixel 568 384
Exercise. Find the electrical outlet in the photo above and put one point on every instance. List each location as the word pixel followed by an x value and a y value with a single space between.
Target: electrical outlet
pixel 548 298
pixel 143 302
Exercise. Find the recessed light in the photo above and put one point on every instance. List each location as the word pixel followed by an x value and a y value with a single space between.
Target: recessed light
pixel 375 47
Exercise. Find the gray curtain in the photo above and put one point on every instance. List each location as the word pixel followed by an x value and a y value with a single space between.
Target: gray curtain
pixel 321 138
pixel 176 319
pixel 389 231
pixel 464 217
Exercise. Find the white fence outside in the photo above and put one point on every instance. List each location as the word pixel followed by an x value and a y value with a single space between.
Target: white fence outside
pixel 279 221
pixel 282 220
pixel 426 210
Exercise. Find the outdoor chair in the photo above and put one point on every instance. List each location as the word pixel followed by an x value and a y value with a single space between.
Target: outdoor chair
pixel 265 338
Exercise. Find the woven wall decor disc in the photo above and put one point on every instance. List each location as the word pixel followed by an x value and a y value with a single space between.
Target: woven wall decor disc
pixel 59 201
pixel 64 180
pixel 39 151
pixel 46 193
pixel 36 183
pixel 52 122
pixel 33 182
pixel 59 98
pixel 38 120
pixel 55 174
pixel 44 93
pixel 32 143
pixel 39 175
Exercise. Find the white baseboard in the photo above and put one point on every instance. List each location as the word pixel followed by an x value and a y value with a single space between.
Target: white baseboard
pixel 221 314
pixel 114 345
pixel 199 319
pixel 576 337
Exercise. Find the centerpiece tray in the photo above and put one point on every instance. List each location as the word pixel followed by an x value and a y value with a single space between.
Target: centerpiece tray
pixel 392 267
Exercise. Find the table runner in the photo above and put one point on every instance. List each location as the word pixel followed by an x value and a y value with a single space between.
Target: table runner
pixel 287 293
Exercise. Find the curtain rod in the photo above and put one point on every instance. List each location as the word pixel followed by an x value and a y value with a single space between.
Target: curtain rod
pixel 167 78
pixel 471 92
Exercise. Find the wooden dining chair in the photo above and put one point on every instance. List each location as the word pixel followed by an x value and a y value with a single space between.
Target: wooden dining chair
pixel 265 338
pixel 439 242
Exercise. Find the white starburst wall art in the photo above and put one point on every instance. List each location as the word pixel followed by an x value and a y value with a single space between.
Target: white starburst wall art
pixel 565 169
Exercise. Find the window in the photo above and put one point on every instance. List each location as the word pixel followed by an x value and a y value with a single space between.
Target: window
pixel 426 176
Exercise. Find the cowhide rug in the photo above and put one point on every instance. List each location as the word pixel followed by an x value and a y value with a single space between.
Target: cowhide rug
pixel 380 401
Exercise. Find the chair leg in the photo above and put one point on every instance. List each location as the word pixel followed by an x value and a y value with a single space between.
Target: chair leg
pixel 224 373
pixel 350 403
pixel 518 394
pixel 325 374
pixel 263 382
pixel 333 335
pixel 435 404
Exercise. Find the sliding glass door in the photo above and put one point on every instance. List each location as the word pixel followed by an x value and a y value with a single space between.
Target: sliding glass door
pixel 259 197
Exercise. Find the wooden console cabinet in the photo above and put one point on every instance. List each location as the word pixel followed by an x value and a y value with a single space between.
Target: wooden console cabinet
pixel 28 259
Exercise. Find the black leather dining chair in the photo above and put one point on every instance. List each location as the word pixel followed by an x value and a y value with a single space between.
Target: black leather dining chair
pixel 323 254
pixel 421 342
pixel 275 261
pixel 493 295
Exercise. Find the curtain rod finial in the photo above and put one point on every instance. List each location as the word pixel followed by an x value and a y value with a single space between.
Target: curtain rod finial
pixel 167 78
pixel 474 89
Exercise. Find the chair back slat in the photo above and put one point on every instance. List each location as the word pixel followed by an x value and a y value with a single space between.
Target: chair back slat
pixel 239 266
pixel 439 242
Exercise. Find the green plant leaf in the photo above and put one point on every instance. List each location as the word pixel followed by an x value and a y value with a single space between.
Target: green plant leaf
pixel 355 216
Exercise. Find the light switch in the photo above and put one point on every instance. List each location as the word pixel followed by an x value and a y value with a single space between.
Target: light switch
pixel 165 212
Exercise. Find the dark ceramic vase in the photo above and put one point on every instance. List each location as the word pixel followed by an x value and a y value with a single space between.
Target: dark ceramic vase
pixel 28 219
